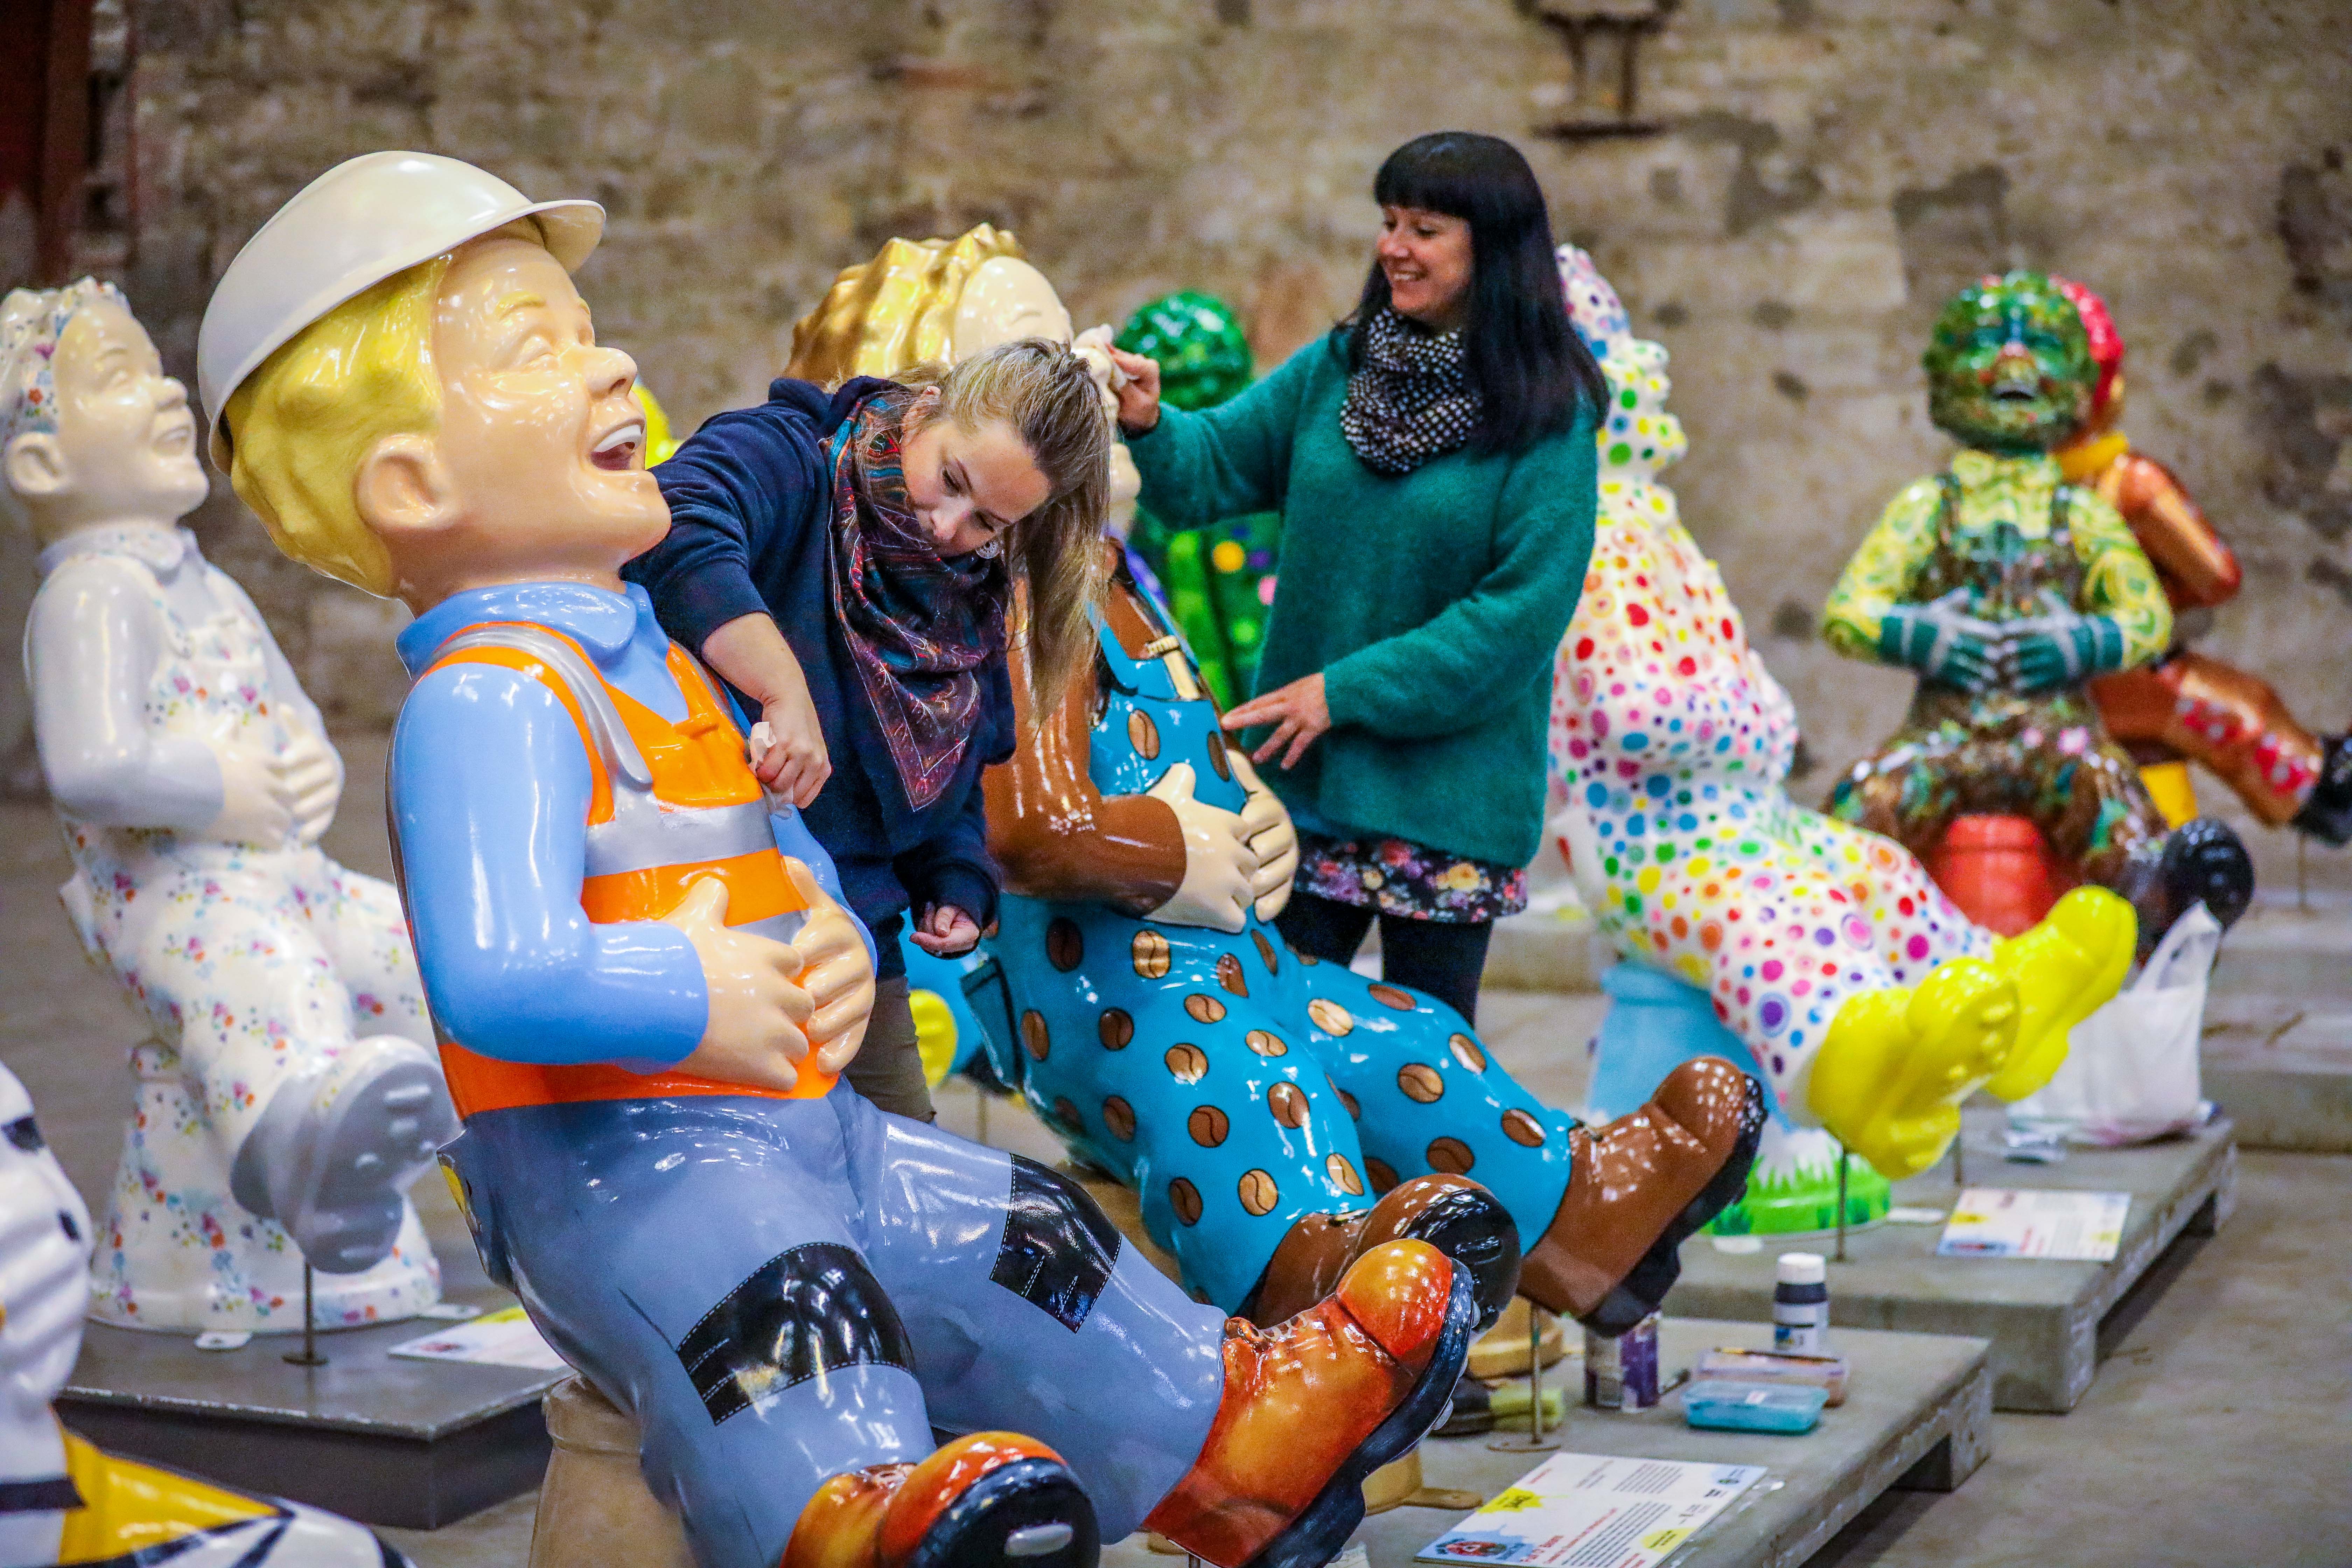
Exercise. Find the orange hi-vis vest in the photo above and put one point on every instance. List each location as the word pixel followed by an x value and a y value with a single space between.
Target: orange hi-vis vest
pixel 670 805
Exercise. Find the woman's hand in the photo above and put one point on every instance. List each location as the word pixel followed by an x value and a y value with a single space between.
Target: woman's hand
pixel 794 763
pixel 1298 712
pixel 1139 394
pixel 946 932
pixel 790 757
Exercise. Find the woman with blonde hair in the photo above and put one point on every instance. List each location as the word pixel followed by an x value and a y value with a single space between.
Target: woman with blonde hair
pixel 846 555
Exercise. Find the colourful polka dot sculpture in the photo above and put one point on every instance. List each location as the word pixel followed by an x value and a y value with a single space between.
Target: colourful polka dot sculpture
pixel 1870 1005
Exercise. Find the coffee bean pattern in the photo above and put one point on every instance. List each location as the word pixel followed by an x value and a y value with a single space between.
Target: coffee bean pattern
pixel 1223 1068
pixel 1149 951
pixel 1033 1033
pixel 1343 1176
pixel 1450 1156
pixel 1259 1194
pixel 1522 1129
pixel 1229 975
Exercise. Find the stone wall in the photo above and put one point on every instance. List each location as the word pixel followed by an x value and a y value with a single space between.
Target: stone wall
pixel 1793 188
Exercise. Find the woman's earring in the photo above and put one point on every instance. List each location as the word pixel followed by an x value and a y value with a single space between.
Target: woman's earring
pixel 989 550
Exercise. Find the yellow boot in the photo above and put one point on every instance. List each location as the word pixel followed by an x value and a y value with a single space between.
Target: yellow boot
pixel 1889 1079
pixel 2065 968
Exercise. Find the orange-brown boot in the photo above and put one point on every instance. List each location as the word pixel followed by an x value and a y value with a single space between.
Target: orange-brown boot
pixel 992 1497
pixel 1453 1213
pixel 1312 1407
pixel 1636 1188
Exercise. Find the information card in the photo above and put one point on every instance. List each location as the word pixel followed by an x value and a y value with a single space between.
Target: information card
pixel 1995 1222
pixel 1589 1510
pixel 494 1339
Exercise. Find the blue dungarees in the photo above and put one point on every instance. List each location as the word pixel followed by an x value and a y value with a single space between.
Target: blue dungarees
pixel 1233 1083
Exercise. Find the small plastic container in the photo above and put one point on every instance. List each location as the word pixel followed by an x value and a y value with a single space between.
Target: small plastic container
pixel 1732 1364
pixel 1726 1406
pixel 1800 1305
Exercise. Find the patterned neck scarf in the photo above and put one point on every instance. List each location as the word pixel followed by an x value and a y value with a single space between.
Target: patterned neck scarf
pixel 1412 400
pixel 919 626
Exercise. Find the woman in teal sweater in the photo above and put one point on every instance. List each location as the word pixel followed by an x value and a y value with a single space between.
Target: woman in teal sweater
pixel 1433 460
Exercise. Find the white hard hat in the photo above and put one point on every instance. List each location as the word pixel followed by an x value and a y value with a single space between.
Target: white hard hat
pixel 346 231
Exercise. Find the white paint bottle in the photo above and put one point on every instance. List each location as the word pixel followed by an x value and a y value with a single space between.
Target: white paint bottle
pixel 1800 1305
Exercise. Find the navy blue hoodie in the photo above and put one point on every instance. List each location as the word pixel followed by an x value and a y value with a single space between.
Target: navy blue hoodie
pixel 751 532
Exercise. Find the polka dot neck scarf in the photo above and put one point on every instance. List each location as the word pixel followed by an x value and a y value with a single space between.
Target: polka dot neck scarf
pixel 1412 400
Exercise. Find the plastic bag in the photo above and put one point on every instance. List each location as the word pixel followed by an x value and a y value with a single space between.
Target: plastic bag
pixel 2130 1073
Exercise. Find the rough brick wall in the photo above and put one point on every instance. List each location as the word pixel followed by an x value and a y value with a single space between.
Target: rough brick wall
pixel 1807 179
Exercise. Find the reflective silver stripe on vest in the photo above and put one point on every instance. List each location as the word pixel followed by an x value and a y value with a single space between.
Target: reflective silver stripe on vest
pixel 645 833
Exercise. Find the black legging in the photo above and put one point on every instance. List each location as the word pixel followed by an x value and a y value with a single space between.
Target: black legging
pixel 1444 958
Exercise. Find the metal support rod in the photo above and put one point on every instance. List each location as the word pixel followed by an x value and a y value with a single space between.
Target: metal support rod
pixel 308 1354
pixel 1842 1158
pixel 1535 1372
pixel 2301 886
pixel 979 1129
pixel 1959 1176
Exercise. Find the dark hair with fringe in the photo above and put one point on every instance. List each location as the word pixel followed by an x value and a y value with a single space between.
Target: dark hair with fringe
pixel 1532 371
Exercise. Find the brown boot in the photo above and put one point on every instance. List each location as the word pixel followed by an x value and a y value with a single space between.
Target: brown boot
pixel 1453 1213
pixel 1637 1186
pixel 994 1497
pixel 1312 1407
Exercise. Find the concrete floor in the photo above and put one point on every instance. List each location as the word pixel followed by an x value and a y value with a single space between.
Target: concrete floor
pixel 2219 1432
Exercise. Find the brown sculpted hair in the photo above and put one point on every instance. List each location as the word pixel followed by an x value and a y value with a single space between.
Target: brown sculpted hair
pixel 1044 392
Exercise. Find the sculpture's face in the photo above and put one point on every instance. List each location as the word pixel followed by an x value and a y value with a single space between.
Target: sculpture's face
pixel 1006 299
pixel 125 445
pixel 537 469
pixel 44 1258
pixel 2009 366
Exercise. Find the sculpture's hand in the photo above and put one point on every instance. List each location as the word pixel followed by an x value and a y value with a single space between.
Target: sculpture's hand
pixel 257 802
pixel 1271 838
pixel 758 1013
pixel 1939 645
pixel 1220 871
pixel 313 775
pixel 2064 652
pixel 837 972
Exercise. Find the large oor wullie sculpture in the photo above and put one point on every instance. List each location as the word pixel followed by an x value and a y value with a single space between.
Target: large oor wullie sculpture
pixel 2008 590
pixel 787 1288
pixel 1278 1117
pixel 286 1093
pixel 1872 1004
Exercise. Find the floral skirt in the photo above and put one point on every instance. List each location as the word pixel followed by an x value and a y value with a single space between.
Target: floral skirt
pixel 1397 877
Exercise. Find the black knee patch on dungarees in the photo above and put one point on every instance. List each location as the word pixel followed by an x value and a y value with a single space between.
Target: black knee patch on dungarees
pixel 1059 1247
pixel 815 1309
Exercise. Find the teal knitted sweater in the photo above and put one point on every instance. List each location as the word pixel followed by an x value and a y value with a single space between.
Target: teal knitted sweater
pixel 1433 602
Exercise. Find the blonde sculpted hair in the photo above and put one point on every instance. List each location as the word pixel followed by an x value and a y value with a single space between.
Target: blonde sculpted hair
pixel 895 310
pixel 895 317
pixel 299 428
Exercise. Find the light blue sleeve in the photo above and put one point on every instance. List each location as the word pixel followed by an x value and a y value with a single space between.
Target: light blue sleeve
pixel 490 792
